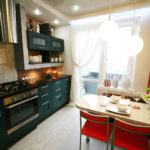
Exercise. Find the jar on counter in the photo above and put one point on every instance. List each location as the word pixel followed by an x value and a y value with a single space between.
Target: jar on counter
pixel 51 59
pixel 56 59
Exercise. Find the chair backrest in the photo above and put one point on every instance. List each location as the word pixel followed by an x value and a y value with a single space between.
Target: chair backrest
pixel 94 117
pixel 90 117
pixel 133 128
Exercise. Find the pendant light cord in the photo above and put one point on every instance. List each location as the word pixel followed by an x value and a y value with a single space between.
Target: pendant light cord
pixel 109 10
pixel 134 7
pixel 134 22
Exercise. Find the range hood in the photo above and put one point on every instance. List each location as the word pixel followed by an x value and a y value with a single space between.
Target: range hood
pixel 8 32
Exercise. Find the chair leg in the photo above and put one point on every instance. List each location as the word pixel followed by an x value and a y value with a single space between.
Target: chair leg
pixel 112 141
pixel 107 146
pixel 87 139
pixel 80 141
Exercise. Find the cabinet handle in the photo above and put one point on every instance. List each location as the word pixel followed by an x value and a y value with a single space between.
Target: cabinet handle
pixel 58 96
pixel 58 82
pixel 44 95
pixel 58 89
pixel 43 87
pixel 45 103
pixel 41 46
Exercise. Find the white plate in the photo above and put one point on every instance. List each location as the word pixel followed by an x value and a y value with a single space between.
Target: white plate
pixel 112 101
pixel 116 110
pixel 121 101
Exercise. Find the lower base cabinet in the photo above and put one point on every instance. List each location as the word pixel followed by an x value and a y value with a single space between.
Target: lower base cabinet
pixel 45 109
pixel 53 95
pixel 3 130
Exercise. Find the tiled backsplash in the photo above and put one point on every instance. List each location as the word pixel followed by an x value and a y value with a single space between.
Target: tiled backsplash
pixel 7 66
pixel 35 73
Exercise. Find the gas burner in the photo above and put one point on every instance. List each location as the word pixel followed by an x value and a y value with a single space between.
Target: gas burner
pixel 13 87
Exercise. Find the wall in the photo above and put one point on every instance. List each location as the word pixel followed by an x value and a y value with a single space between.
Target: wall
pixel 142 67
pixel 143 59
pixel 7 66
pixel 64 33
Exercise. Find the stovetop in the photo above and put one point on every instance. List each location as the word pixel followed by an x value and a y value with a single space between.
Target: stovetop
pixel 13 87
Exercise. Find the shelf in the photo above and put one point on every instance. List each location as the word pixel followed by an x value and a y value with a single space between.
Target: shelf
pixel 45 63
pixel 42 65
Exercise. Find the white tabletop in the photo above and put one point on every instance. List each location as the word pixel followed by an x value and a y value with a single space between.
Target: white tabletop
pixel 94 104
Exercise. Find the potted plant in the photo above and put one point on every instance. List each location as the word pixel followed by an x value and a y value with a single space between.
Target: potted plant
pixel 146 96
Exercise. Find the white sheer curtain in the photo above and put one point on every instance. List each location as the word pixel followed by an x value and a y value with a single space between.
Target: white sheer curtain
pixel 84 42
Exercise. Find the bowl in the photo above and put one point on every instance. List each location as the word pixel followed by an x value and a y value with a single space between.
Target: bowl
pixel 122 107
pixel 115 98
pixel 125 101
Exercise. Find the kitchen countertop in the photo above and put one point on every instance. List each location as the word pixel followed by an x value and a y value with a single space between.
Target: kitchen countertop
pixel 34 84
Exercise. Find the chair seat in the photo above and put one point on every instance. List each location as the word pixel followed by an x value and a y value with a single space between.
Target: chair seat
pixel 96 130
pixel 130 141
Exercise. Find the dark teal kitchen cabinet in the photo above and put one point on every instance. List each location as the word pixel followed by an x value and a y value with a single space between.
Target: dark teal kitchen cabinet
pixel 66 89
pixel 56 44
pixel 38 41
pixel 53 95
pixel 58 94
pixel 3 130
pixel 45 102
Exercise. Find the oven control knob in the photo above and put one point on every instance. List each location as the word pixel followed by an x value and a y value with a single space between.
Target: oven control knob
pixel 14 99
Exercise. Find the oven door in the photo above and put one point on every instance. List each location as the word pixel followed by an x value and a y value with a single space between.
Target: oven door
pixel 21 113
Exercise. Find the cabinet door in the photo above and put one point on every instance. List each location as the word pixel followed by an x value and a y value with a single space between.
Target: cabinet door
pixel 57 44
pixel 66 90
pixel 57 102
pixel 45 103
pixel 45 109
pixel 56 88
pixel 38 41
pixel 3 130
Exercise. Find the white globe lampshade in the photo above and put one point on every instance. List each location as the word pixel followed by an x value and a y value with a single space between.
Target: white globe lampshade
pixel 135 45
pixel 108 30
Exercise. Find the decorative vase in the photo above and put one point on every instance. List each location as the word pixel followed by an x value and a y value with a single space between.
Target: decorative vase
pixel 115 82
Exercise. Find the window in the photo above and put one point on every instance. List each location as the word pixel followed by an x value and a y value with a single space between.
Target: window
pixel 90 76
pixel 115 66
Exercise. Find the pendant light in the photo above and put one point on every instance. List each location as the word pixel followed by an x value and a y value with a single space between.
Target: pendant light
pixel 109 28
pixel 135 42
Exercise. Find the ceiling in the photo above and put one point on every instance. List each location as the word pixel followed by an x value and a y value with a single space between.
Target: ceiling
pixel 64 6
pixel 62 9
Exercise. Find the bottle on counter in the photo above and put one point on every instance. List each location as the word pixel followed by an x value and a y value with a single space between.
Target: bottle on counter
pixel 60 58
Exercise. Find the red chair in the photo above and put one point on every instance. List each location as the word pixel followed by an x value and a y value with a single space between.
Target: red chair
pixel 130 136
pixel 96 126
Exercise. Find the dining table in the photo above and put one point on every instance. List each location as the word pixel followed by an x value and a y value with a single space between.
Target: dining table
pixel 102 105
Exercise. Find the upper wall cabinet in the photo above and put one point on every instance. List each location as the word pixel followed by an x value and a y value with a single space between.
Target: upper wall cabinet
pixel 38 41
pixel 21 49
pixel 57 44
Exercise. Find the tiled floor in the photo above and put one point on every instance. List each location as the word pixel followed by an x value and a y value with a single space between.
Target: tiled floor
pixel 58 132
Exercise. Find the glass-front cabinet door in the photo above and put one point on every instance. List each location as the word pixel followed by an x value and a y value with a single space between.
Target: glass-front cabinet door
pixel 57 44
pixel 38 41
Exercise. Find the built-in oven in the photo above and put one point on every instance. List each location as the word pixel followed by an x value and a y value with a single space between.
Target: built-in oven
pixel 21 109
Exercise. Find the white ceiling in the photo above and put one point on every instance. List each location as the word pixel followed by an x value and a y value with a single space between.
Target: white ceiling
pixel 61 9
pixel 64 6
